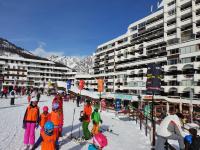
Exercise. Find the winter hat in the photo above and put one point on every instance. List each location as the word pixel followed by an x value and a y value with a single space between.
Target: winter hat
pixel 100 140
pixel 45 108
pixel 48 128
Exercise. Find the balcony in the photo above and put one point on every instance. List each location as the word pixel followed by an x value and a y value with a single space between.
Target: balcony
pixel 186 21
pixel 170 78
pixel 171 36
pixel 159 22
pixel 186 11
pixel 184 2
pixel 185 77
pixel 170 27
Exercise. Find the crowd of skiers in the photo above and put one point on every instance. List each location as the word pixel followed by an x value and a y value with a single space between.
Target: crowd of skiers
pixel 51 124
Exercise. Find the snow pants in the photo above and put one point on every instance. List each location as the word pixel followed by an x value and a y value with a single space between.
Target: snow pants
pixel 160 142
pixel 29 135
pixel 86 132
pixel 95 129
pixel 12 101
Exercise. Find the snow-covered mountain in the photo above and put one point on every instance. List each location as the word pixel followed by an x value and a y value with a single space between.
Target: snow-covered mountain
pixel 78 63
pixel 9 49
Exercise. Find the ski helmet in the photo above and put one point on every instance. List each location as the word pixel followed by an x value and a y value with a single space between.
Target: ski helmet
pixel 55 106
pixel 48 128
pixel 188 138
pixel 45 108
pixel 100 140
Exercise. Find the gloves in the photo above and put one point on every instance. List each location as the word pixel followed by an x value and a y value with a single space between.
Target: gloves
pixel 24 125
pixel 101 121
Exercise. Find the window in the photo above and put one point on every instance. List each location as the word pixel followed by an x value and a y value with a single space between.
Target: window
pixel 134 28
pixel 172 61
pixel 171 12
pixel 189 49
pixel 188 60
pixel 142 25
pixel 171 3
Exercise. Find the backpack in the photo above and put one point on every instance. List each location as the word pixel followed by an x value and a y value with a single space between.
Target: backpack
pixel 12 93
pixel 195 144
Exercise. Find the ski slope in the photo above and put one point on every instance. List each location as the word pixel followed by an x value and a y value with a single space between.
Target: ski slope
pixel 129 138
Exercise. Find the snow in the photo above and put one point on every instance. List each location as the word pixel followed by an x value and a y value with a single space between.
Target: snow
pixel 130 137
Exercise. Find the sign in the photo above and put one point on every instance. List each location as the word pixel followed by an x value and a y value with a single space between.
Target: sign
pixel 118 104
pixel 81 84
pixel 100 85
pixel 69 83
pixel 153 77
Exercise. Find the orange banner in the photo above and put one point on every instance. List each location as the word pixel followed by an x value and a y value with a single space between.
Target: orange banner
pixel 100 85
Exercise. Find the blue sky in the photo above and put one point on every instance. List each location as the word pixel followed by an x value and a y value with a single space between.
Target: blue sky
pixel 68 27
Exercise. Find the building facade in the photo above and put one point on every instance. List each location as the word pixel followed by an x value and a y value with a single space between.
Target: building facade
pixel 23 72
pixel 169 37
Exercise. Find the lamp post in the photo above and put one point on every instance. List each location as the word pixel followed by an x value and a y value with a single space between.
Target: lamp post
pixel 191 105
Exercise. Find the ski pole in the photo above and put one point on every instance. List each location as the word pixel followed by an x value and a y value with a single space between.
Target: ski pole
pixel 79 132
pixel 73 122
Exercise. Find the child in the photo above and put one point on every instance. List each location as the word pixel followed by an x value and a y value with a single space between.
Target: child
pixel 56 119
pixel 30 122
pixel 96 119
pixel 192 141
pixel 99 142
pixel 44 117
pixel 47 138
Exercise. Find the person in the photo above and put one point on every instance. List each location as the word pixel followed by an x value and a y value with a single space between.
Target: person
pixel 96 119
pixel 12 97
pixel 29 98
pixel 103 105
pixel 56 119
pixel 99 142
pixel 170 128
pixel 4 92
pixel 78 99
pixel 38 96
pixel 47 138
pixel 192 141
pixel 30 122
pixel 58 99
pixel 86 120
pixel 44 117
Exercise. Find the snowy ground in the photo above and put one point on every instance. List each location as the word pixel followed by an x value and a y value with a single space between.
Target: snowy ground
pixel 11 132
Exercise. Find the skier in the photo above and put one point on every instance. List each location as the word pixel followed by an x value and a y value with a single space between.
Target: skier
pixel 4 92
pixel 99 142
pixel 47 138
pixel 38 96
pixel 12 97
pixel 192 141
pixel 44 117
pixel 29 98
pixel 86 120
pixel 170 128
pixel 103 105
pixel 96 119
pixel 78 99
pixel 30 122
pixel 56 119
pixel 58 99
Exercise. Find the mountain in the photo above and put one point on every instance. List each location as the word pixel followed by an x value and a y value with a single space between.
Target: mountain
pixel 9 49
pixel 80 64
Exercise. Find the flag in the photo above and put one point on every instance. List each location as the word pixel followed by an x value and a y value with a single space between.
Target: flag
pixel 69 83
pixel 100 85
pixel 81 84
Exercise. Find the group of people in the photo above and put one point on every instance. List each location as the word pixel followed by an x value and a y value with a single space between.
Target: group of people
pixel 171 128
pixel 50 124
pixel 87 116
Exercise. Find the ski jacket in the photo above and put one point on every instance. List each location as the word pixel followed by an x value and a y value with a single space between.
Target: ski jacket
pixel 87 112
pixel 170 125
pixel 96 117
pixel 32 114
pixel 92 147
pixel 55 118
pixel 43 119
pixel 12 94
pixel 48 142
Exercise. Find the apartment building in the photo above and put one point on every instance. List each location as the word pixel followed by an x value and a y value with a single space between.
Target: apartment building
pixel 24 72
pixel 170 36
